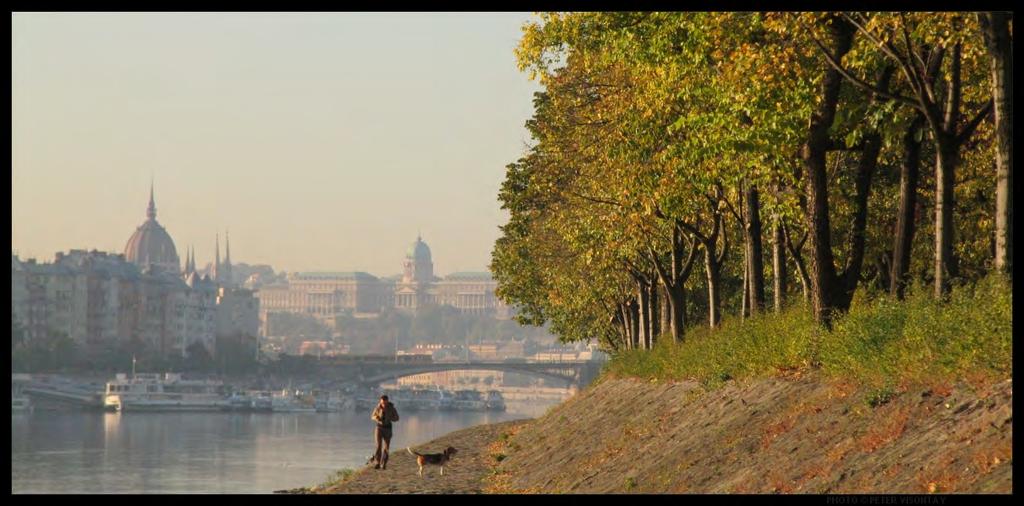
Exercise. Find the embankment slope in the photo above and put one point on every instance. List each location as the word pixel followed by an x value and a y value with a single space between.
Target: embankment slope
pixel 788 435
pixel 795 434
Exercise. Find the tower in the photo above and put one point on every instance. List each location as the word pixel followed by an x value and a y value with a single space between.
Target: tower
pixel 216 259
pixel 151 246
pixel 226 268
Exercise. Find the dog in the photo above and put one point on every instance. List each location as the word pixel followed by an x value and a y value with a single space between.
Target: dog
pixel 434 459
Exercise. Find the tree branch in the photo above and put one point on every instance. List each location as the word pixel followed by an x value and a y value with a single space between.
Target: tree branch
pixel 859 82
pixel 973 124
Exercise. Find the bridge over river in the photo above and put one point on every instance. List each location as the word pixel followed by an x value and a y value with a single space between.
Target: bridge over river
pixel 576 373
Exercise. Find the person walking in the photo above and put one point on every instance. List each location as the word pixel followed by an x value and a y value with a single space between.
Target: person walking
pixel 384 414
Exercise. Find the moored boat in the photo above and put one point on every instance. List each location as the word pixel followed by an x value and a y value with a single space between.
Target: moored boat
pixel 468 400
pixel 167 392
pixel 288 401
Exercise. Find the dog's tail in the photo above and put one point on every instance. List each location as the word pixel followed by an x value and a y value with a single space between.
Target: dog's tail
pixel 414 454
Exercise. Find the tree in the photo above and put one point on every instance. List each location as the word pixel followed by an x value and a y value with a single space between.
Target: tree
pixel 659 137
pixel 943 115
pixel 996 29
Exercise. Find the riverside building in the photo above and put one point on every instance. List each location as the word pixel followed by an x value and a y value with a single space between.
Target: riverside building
pixel 326 295
pixel 102 299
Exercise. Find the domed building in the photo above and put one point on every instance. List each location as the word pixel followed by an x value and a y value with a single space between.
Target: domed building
pixel 151 247
pixel 327 295
pixel 418 266
pixel 413 291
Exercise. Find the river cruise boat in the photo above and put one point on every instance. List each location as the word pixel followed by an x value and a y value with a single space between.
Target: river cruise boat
pixel 167 392
pixel 331 402
pixel 425 399
pixel 468 400
pixel 287 401
pixel 261 400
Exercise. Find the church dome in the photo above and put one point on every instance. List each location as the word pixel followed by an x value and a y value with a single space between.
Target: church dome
pixel 418 251
pixel 151 245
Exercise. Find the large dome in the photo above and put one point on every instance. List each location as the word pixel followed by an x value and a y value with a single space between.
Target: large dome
pixel 418 251
pixel 151 245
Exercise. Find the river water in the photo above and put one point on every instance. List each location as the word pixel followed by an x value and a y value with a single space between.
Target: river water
pixel 103 453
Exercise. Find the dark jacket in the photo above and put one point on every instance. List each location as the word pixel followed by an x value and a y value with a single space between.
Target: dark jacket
pixel 385 416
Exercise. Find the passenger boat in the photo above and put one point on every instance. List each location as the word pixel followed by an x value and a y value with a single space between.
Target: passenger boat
pixel 167 392
pixel 468 400
pixel 262 400
pixel 240 401
pixel 288 401
pixel 330 402
pixel 426 399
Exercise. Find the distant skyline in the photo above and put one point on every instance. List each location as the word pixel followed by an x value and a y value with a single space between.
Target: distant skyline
pixel 320 141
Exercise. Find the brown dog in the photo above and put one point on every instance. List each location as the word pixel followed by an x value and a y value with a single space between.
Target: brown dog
pixel 433 459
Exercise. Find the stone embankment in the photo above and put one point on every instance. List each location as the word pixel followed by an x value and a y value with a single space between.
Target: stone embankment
pixel 778 435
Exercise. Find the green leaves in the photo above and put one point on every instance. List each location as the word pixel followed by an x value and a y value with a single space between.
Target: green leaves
pixel 643 115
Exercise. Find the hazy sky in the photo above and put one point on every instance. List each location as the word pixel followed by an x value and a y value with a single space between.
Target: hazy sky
pixel 321 141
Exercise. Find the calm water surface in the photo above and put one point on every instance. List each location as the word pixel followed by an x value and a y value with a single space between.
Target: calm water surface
pixel 88 452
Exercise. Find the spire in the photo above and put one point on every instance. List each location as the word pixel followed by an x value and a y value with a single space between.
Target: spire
pixel 216 261
pixel 151 210
pixel 228 276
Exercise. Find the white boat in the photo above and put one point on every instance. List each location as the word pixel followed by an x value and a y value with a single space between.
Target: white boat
pixel 262 400
pixel 292 402
pixel 331 402
pixel 167 392
pixel 240 401
pixel 468 400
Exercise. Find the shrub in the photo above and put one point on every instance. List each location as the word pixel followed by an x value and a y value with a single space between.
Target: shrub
pixel 880 342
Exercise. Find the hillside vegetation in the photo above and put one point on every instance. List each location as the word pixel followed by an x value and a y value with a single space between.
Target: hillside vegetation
pixel 881 343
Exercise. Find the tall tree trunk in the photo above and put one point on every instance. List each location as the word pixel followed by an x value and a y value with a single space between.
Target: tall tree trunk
pixel 905 225
pixel 745 299
pixel 796 250
pixel 713 257
pixel 629 312
pixel 755 256
pixel 620 318
pixel 666 311
pixel 813 153
pixel 711 268
pixel 643 314
pixel 655 311
pixel 996 27
pixel 946 160
pixel 865 172
pixel 634 324
pixel 673 279
pixel 779 265
pixel 945 167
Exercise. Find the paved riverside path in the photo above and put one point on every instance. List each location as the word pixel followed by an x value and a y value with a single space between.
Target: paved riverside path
pixel 464 474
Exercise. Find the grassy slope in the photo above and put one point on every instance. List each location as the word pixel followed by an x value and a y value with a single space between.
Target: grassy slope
pixel 903 397
pixel 881 343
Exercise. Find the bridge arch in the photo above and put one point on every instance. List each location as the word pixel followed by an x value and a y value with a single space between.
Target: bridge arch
pixel 394 374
